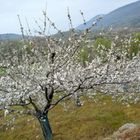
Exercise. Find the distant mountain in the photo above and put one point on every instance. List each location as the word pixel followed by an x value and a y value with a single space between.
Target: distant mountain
pixel 10 37
pixel 126 16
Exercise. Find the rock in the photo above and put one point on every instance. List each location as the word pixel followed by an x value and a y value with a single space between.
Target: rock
pixel 128 131
pixel 128 126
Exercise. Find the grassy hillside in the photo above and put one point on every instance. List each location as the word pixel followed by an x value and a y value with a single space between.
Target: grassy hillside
pixel 93 121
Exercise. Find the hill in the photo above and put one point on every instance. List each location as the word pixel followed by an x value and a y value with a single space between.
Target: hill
pixel 126 16
pixel 10 37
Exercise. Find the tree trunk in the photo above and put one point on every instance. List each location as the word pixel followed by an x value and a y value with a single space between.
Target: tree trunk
pixel 45 125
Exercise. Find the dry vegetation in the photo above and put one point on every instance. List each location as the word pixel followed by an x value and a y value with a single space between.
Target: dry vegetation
pixel 93 121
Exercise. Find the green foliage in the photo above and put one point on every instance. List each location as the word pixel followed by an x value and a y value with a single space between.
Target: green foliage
pixel 83 55
pixel 102 43
pixel 8 49
pixel 11 44
pixel 101 47
pixel 2 71
pixel 134 47
pixel 28 47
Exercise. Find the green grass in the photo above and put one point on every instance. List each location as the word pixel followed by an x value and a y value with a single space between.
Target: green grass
pixel 93 121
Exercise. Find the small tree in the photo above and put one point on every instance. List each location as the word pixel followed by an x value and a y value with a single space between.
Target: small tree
pixel 45 75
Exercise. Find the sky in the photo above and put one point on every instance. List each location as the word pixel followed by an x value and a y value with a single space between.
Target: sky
pixel 56 11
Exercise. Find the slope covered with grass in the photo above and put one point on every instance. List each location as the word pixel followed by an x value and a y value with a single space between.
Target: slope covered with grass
pixel 93 121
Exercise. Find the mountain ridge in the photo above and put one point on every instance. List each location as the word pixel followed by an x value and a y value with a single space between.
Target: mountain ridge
pixel 125 16
pixel 10 36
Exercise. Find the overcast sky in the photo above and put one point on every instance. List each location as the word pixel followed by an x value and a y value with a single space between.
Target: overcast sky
pixel 56 11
